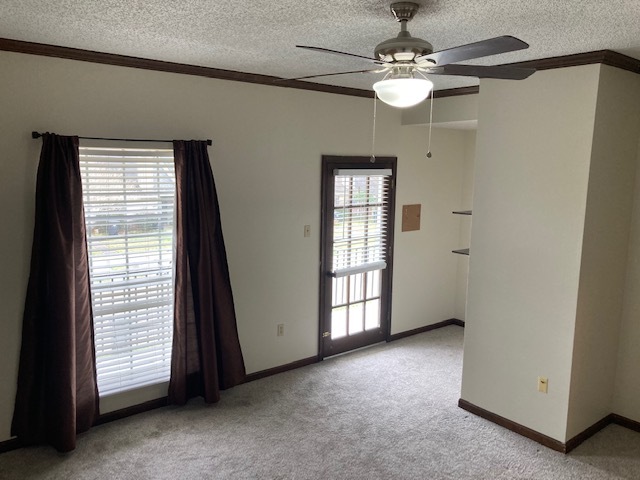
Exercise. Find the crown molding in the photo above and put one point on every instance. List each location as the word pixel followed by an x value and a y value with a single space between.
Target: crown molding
pixel 455 92
pixel 618 60
pixel 606 57
pixel 45 50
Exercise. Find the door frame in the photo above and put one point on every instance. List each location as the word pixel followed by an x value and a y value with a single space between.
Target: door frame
pixel 329 164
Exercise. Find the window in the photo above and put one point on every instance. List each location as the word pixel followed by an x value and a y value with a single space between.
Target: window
pixel 360 205
pixel 129 197
pixel 360 223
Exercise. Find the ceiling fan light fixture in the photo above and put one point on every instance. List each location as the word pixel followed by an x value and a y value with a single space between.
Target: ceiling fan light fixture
pixel 403 92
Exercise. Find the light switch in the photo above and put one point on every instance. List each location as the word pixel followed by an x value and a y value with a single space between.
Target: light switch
pixel 543 384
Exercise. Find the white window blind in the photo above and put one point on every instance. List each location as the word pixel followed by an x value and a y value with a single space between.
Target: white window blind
pixel 360 221
pixel 129 196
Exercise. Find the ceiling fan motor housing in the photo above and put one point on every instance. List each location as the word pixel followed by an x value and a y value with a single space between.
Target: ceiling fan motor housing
pixel 404 47
pixel 404 10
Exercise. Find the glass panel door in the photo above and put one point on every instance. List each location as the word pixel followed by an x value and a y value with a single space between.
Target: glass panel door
pixel 356 256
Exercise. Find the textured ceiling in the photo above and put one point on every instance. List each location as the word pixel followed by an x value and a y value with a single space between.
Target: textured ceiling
pixel 259 36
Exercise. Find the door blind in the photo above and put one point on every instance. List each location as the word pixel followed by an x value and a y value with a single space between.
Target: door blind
pixel 129 196
pixel 360 221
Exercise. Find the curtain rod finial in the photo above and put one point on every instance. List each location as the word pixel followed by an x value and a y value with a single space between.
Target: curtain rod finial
pixel 209 142
pixel 35 134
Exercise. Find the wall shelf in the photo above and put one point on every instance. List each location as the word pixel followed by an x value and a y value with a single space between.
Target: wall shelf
pixel 462 251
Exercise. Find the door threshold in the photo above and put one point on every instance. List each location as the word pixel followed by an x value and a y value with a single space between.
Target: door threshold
pixel 355 350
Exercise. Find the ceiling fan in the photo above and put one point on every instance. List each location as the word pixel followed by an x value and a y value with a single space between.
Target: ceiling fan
pixel 406 61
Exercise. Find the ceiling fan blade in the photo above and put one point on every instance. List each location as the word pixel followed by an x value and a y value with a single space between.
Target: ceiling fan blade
pixel 326 75
pixel 482 71
pixel 336 52
pixel 484 48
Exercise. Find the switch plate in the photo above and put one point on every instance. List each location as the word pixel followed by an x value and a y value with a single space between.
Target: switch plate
pixel 307 230
pixel 281 329
pixel 543 384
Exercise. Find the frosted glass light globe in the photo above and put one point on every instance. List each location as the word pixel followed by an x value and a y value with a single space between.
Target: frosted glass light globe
pixel 403 92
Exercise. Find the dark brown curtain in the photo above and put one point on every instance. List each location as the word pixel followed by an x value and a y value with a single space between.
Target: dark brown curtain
pixel 206 351
pixel 57 393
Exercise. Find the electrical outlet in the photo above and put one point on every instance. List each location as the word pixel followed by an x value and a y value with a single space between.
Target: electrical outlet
pixel 307 230
pixel 281 329
pixel 543 384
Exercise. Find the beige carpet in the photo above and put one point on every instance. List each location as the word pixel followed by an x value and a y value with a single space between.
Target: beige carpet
pixel 388 412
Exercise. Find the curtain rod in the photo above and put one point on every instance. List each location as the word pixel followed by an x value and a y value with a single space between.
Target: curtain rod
pixel 38 135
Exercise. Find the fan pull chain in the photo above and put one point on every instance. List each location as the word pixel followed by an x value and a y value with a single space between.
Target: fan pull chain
pixel 430 126
pixel 373 138
pixel 430 116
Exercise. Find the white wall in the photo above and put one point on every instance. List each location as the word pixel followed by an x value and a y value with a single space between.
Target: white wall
pixel 626 400
pixel 464 238
pixel 268 143
pixel 458 113
pixel 604 251
pixel 461 110
pixel 435 183
pixel 531 172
